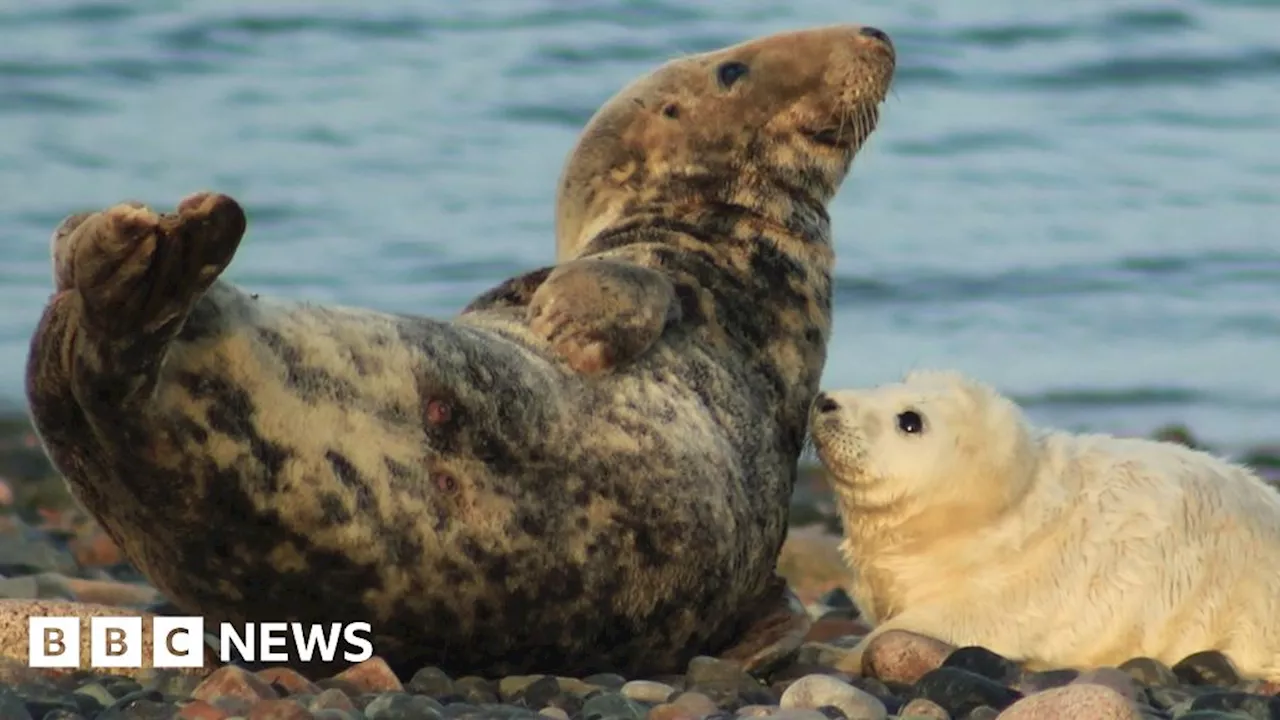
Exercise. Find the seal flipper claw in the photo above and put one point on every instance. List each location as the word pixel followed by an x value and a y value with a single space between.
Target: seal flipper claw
pixel 777 632
pixel 598 314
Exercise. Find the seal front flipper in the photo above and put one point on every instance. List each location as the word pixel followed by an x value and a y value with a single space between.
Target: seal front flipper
pixel 126 278
pixel 598 314
pixel 777 630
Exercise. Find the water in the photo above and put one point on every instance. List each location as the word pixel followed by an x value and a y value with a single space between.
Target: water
pixel 1075 202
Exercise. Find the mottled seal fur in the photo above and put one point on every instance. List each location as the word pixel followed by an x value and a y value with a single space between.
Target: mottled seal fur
pixel 588 469
pixel 965 522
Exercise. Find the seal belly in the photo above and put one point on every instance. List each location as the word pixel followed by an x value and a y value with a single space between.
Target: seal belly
pixel 433 467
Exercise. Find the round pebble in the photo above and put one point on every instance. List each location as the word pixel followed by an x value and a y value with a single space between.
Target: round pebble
pixel 695 704
pixel 816 691
pixel 923 709
pixel 96 693
pixel 903 657
pixel 574 686
pixel 331 699
pixel 431 681
pixel 476 690
pixel 960 691
pixel 612 706
pixel 606 680
pixel 724 682
pixel 647 691
pixel 1150 672
pixel 1209 667
pixel 1072 702
pixel 539 693
pixel 984 662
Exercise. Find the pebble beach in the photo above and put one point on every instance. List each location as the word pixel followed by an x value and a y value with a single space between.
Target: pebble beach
pixel 912 677
pixel 55 560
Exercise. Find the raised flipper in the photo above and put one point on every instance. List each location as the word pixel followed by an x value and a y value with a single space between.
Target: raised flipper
pixel 598 314
pixel 126 278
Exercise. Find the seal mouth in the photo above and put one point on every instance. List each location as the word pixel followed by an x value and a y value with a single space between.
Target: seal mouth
pixel 831 137
pixel 848 132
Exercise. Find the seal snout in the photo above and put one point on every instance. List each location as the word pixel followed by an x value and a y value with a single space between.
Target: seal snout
pixel 876 33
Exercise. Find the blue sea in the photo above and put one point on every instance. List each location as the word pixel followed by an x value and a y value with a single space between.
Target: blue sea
pixel 1077 202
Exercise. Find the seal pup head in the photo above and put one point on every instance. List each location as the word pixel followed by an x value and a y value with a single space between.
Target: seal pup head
pixel 934 453
pixel 783 112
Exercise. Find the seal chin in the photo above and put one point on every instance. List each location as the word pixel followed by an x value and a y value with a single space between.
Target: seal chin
pixel 840 449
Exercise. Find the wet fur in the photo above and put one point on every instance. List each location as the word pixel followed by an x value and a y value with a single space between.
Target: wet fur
pixel 491 507
pixel 1057 549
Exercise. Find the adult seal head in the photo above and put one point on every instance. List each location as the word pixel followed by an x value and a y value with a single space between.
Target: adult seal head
pixel 586 470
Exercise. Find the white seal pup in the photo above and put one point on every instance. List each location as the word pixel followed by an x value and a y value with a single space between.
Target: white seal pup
pixel 964 522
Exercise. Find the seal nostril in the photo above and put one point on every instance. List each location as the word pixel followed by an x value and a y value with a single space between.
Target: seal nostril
pixel 826 404
pixel 876 33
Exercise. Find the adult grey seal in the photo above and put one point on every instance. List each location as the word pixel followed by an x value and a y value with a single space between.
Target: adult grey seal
pixel 587 470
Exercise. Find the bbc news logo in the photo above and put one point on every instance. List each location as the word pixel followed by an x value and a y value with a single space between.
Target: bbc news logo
pixel 179 642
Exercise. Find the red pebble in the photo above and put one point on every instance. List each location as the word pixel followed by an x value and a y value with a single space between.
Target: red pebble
pixel 371 676
pixel 903 657
pixel 234 683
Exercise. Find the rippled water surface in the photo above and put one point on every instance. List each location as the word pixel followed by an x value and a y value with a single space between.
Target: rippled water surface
pixel 1075 201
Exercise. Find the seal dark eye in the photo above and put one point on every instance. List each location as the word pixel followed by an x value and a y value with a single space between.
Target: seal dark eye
pixel 671 111
pixel 910 422
pixel 730 73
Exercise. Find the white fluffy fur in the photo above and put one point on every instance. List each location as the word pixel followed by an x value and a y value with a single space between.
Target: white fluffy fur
pixel 1057 549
